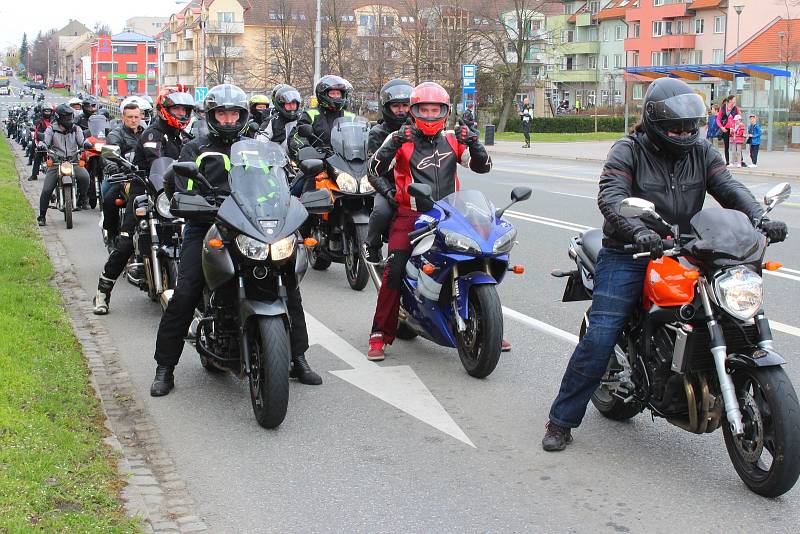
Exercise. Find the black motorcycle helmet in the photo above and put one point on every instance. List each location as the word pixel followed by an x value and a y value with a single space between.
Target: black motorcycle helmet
pixel 283 96
pixel 65 116
pixel 48 110
pixel 226 97
pixel 276 89
pixel 395 92
pixel 670 105
pixel 88 103
pixel 325 84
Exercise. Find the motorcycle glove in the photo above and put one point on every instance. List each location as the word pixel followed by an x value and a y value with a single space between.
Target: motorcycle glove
pixel 649 241
pixel 402 135
pixel 776 231
pixel 466 135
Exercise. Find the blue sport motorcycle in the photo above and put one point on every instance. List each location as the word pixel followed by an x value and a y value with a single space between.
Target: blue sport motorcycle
pixel 460 252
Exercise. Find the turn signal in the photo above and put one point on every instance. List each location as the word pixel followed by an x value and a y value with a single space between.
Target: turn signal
pixel 82 163
pixel 428 269
pixel 215 243
pixel 321 176
pixel 518 269
pixel 141 211
pixel 119 202
pixel 310 242
pixel 691 274
pixel 773 265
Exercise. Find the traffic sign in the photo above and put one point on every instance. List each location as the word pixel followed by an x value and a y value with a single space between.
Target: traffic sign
pixel 469 71
pixel 469 83
pixel 200 93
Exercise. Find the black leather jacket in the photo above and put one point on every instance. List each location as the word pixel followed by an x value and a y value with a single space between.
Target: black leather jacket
pixel 377 135
pixel 158 140
pixel 210 155
pixel 637 168
pixel 321 121
pixel 125 138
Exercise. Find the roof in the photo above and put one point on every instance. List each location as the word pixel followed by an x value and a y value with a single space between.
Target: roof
pixel 74 28
pixel 131 37
pixel 762 47
pixel 704 4
pixel 697 72
pixel 574 18
pixel 615 9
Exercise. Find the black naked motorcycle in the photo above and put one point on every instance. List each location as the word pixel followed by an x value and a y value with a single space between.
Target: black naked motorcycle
pixel 699 351
pixel 157 235
pixel 65 195
pixel 243 323
pixel 342 171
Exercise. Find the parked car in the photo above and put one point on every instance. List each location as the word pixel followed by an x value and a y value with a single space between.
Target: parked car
pixel 35 85
pixel 5 91
pixel 56 84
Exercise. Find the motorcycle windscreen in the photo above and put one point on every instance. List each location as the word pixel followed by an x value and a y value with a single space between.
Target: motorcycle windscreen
pixel 158 169
pixel 724 234
pixel 349 138
pixel 97 125
pixel 259 186
pixel 474 208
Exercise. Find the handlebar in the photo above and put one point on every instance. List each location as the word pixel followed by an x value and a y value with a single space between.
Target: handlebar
pixel 422 231
pixel 670 249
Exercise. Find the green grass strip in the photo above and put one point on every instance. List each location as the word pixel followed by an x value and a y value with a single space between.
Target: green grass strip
pixel 558 137
pixel 56 474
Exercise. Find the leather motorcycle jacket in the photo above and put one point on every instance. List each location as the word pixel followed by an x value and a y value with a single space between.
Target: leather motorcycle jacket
pixel 636 167
pixel 158 140
pixel 212 157
pixel 125 138
pixel 322 122
pixel 377 135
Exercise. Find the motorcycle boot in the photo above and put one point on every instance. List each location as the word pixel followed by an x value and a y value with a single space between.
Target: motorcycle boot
pixel 103 296
pixel 303 372
pixel 556 438
pixel 163 382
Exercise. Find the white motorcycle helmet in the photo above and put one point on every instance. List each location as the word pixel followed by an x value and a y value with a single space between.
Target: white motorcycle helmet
pixel 144 105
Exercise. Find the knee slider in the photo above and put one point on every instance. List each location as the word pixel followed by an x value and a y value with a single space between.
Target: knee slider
pixel 397 268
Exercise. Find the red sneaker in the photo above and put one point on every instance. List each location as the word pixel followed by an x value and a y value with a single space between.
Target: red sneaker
pixel 376 346
pixel 505 346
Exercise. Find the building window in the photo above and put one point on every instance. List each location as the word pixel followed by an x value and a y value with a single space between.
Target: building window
pixel 658 2
pixel 637 91
pixel 131 67
pixel 225 17
pixel 604 97
pixel 658 28
pixel 225 41
pixel 132 86
pixel 605 62
pixel 106 67
pixel 699 26
pixel 152 50
pixel 592 62
pixel 634 59
pixel 617 96
pixel 618 61
pixel 121 49
pixel 637 28
pixel 605 33
pixel 275 68
pixel 660 59
pixel 719 56
pixel 719 24
pixel 594 6
pixel 567 36
pixel 679 28
pixel 590 97
pixel 619 33
pixel 696 57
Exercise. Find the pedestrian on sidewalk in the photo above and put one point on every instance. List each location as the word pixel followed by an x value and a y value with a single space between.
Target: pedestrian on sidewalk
pixel 727 111
pixel 712 133
pixel 526 115
pixel 754 139
pixel 469 117
pixel 738 134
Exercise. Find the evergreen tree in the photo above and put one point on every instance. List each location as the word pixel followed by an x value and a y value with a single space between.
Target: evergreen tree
pixel 23 50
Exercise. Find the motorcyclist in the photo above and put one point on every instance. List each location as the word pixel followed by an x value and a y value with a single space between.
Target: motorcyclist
pixel 39 128
pixel 394 99
pixel 419 152
pixel 259 109
pixel 666 162
pixel 65 139
pixel 314 125
pixel 126 137
pixel 227 115
pixel 279 126
pixel 88 108
pixel 161 139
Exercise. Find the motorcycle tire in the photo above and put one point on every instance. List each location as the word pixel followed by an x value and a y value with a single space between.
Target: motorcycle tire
pixel 771 417
pixel 354 265
pixel 316 260
pixel 68 207
pixel 479 344
pixel 270 358
pixel 610 406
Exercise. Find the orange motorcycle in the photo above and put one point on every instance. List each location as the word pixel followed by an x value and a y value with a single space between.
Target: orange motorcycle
pixel 699 351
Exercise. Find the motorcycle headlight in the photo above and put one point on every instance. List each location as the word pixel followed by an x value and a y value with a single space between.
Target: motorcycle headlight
pixel 740 292
pixel 252 248
pixel 365 186
pixel 98 147
pixel 66 168
pixel 505 242
pixel 347 183
pixel 162 206
pixel 284 248
pixel 460 242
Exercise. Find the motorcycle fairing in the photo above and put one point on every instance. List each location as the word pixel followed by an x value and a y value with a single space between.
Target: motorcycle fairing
pixel 757 358
pixel 218 266
pixel 464 283
pixel 251 307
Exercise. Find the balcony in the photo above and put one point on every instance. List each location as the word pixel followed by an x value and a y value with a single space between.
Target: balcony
pixel 185 55
pixel 671 42
pixel 586 47
pixel 225 27
pixel 170 57
pixel 173 38
pixel 227 52
pixel 668 11
pixel 575 75
pixel 188 34
pixel 186 79
pixel 170 80
pixel 584 19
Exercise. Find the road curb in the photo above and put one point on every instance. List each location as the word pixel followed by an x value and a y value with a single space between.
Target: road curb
pixel 493 149
pixel 155 492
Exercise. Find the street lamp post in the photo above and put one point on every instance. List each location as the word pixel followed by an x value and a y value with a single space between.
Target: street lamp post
pixel 739 10
pixel 317 44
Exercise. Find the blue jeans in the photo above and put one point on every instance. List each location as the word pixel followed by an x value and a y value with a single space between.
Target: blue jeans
pixel 618 286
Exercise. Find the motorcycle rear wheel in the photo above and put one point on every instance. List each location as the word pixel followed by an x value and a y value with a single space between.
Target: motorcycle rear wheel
pixel 68 206
pixel 355 266
pixel 479 344
pixel 766 456
pixel 270 357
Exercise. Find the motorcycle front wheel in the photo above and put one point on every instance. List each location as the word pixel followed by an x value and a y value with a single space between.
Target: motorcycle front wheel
pixel 270 357
pixel 355 266
pixel 479 344
pixel 67 192
pixel 766 455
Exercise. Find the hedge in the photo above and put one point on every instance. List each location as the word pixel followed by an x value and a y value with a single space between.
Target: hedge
pixel 571 124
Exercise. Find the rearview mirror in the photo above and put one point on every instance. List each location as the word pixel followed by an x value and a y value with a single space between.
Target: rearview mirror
pixel 311 167
pixel 519 194
pixel 778 194
pixel 309 152
pixel 108 151
pixel 186 169
pixel 636 208
pixel 420 191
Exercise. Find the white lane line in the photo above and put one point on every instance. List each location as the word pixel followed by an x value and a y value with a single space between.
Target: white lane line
pixel 779 274
pixel 547 223
pixel 786 269
pixel 785 328
pixel 541 326
pixel 547 175
pixel 573 195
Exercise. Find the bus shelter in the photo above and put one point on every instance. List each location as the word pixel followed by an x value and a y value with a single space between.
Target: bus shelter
pixel 760 90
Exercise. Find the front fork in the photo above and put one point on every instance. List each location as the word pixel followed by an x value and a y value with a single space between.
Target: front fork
pixel 154 260
pixel 720 353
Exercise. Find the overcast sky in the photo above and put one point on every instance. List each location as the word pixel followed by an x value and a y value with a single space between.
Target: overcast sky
pixel 32 16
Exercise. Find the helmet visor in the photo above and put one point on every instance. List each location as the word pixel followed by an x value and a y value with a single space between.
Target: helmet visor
pixel 291 96
pixel 429 111
pixel 397 94
pixel 179 99
pixel 679 108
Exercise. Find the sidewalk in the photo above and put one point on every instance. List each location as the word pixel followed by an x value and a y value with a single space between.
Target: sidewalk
pixel 775 164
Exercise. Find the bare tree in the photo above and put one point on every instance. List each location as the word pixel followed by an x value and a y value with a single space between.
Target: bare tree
pixel 415 39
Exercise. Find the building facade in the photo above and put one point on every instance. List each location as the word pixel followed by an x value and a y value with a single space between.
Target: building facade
pixel 124 64
pixel 149 26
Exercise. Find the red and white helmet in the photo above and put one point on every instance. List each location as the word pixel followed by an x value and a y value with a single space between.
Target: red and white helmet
pixel 170 97
pixel 430 93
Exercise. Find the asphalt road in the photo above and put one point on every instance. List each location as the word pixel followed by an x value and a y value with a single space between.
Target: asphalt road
pixel 345 460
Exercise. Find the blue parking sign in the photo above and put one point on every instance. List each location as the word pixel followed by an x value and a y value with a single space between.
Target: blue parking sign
pixel 200 93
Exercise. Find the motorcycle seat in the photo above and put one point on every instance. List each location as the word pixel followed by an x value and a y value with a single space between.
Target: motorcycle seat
pixel 592 242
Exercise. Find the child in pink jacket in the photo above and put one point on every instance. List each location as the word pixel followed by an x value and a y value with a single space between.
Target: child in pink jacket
pixel 738 135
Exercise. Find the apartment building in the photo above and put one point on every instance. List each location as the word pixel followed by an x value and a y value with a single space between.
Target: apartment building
pixel 124 64
pixel 612 31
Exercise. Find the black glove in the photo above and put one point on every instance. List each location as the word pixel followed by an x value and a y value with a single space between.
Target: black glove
pixel 466 135
pixel 110 169
pixel 649 241
pixel 776 231
pixel 402 135
pixel 390 198
pixel 305 130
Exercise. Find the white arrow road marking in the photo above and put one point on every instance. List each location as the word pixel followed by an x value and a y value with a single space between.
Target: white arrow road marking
pixel 399 386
